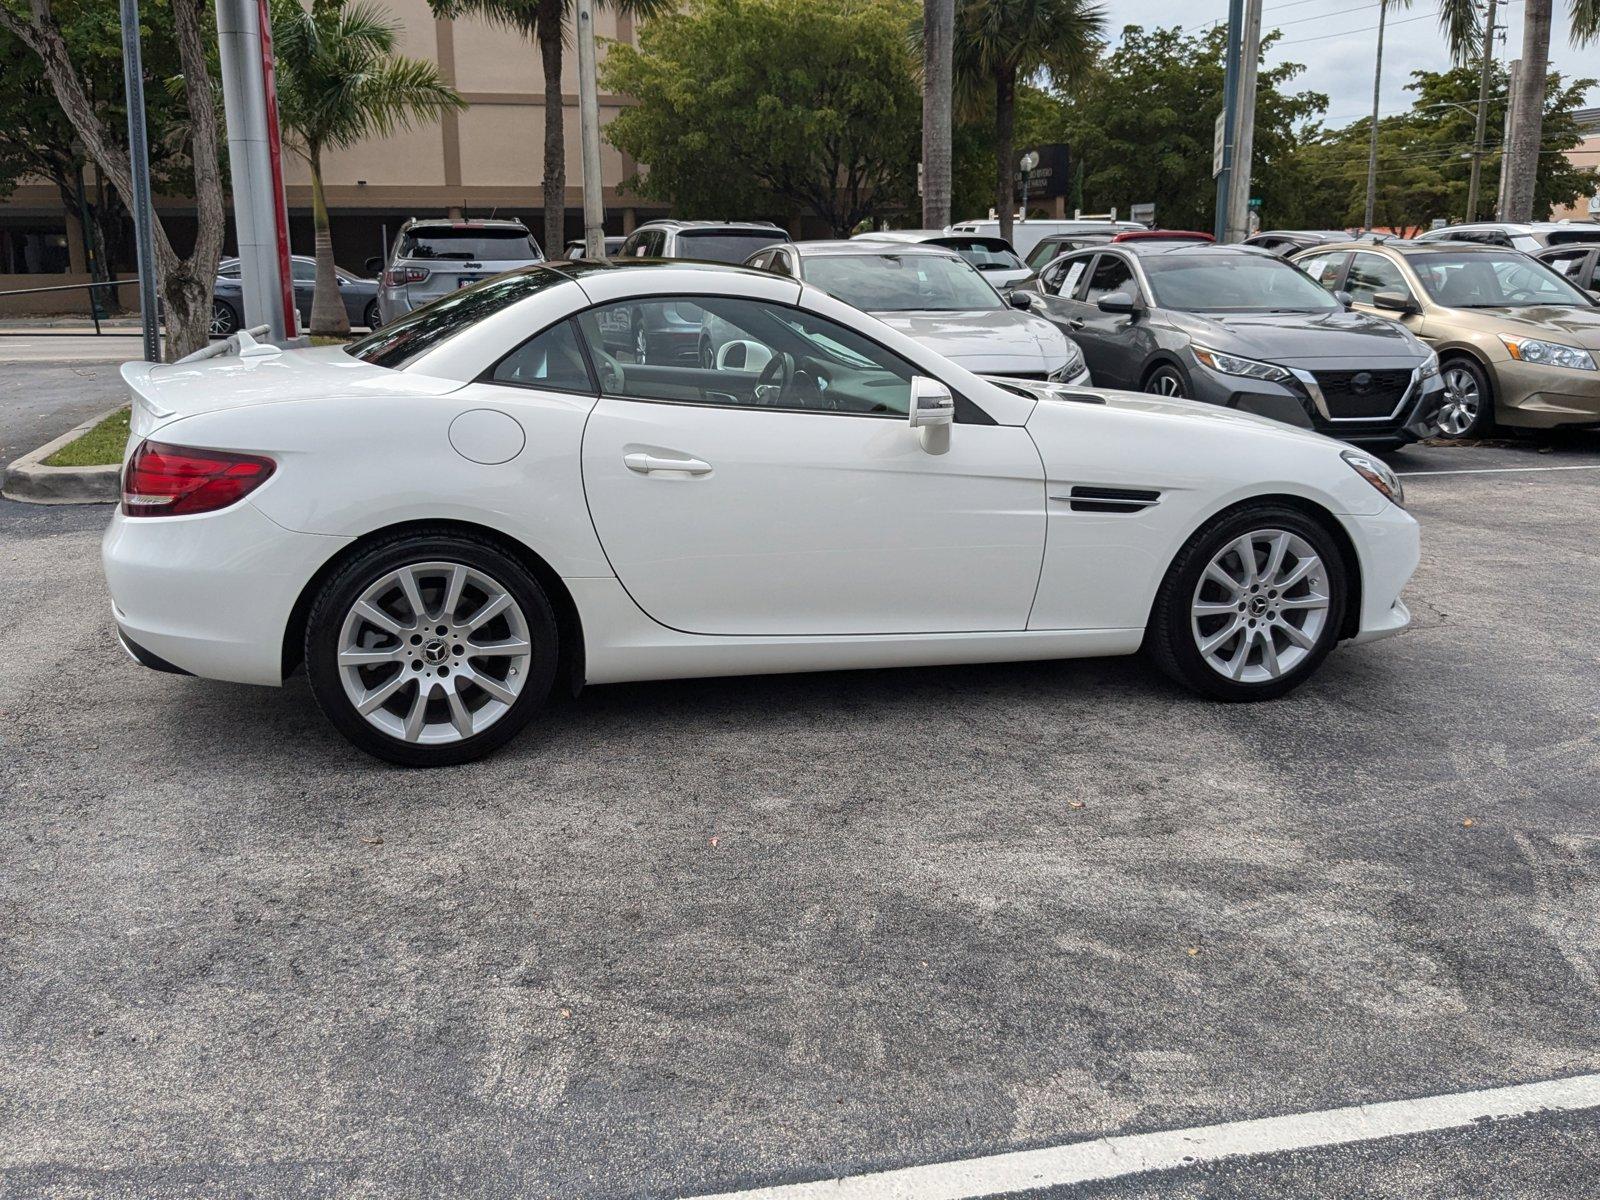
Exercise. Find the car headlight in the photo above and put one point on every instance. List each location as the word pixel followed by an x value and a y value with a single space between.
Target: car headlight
pixel 1232 364
pixel 1548 354
pixel 1070 369
pixel 1377 473
pixel 1430 366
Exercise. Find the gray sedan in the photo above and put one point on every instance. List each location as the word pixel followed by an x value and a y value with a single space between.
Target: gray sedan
pixel 1241 328
pixel 360 295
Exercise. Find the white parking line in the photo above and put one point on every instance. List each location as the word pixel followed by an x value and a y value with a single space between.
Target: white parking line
pixel 1501 470
pixel 1134 1154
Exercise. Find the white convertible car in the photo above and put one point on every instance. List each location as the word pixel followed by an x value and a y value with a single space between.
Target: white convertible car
pixel 489 498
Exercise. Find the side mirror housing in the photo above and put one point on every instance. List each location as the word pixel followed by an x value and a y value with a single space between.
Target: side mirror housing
pixel 1344 298
pixel 1118 302
pixel 1021 299
pixel 933 412
pixel 1394 302
pixel 374 265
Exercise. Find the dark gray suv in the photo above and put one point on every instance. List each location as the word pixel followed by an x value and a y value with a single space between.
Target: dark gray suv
pixel 1240 327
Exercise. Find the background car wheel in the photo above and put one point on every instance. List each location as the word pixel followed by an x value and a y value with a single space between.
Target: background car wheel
pixel 428 650
pixel 1468 407
pixel 1167 380
pixel 224 319
pixel 1251 605
pixel 371 316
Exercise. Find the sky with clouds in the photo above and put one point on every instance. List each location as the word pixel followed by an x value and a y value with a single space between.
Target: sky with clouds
pixel 1336 39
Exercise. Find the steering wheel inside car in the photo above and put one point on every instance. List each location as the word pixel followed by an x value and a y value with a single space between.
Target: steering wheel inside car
pixel 775 379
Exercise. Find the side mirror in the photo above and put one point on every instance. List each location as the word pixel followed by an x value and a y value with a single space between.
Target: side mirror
pixel 1394 302
pixel 933 411
pixel 1594 294
pixel 1344 297
pixel 1021 299
pixel 374 265
pixel 1118 302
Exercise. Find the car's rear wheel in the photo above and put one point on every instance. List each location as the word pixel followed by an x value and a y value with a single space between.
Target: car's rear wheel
pixel 1251 605
pixel 224 319
pixel 371 317
pixel 1468 407
pixel 431 649
pixel 1167 380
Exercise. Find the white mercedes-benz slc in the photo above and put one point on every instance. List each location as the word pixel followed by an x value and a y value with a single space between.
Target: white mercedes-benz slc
pixel 491 498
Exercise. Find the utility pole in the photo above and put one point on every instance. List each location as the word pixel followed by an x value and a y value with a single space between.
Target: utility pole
pixel 594 209
pixel 1244 137
pixel 1229 120
pixel 938 41
pixel 1486 70
pixel 139 161
pixel 255 161
pixel 1505 138
pixel 1372 152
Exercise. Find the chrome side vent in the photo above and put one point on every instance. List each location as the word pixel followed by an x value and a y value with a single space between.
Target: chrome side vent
pixel 1085 498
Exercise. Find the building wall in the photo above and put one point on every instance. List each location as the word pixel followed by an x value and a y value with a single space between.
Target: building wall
pixel 1587 154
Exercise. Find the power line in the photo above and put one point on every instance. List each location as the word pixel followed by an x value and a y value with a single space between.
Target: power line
pixel 1346 32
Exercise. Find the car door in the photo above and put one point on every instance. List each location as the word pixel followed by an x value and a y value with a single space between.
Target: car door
pixel 305 286
pixel 784 493
pixel 1372 273
pixel 1109 348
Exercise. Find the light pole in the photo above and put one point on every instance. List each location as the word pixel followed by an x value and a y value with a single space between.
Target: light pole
pixel 1486 69
pixel 139 162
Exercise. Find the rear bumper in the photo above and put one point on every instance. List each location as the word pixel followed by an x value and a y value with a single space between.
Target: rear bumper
pixel 210 594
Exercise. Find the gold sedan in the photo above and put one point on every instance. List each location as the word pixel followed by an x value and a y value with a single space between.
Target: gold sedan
pixel 1518 344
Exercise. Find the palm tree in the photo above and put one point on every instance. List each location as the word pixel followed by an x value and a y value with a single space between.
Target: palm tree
pixel 1520 166
pixel 1458 20
pixel 339 81
pixel 938 31
pixel 545 22
pixel 998 42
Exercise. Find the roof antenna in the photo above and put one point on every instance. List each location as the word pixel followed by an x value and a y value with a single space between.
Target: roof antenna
pixel 492 212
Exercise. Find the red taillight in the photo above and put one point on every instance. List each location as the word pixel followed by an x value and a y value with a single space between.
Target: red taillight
pixel 165 481
pixel 395 276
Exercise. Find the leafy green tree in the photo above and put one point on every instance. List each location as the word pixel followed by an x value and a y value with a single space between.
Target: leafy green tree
pixel 758 106
pixel 1001 42
pixel 340 81
pixel 1140 126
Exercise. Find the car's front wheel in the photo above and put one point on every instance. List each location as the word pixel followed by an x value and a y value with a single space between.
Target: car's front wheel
pixel 431 649
pixel 1468 407
pixel 1167 380
pixel 1251 605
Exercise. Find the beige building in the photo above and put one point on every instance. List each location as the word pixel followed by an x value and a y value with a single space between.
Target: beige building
pixel 485 159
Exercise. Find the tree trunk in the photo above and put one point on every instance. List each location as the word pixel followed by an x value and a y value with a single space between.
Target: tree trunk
pixel 551 20
pixel 328 317
pixel 1521 162
pixel 1005 121
pixel 938 39
pixel 1372 149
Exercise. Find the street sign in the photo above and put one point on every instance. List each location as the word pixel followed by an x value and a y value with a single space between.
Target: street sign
pixel 1255 202
pixel 1050 175
pixel 1143 213
pixel 1219 138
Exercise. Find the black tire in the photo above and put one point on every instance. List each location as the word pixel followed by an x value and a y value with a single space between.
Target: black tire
pixel 372 317
pixel 1463 375
pixel 1170 381
pixel 224 319
pixel 325 625
pixel 1171 638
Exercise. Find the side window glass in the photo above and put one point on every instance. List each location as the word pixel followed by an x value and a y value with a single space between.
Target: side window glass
pixel 1324 269
pixel 1043 253
pixel 1371 274
pixel 303 272
pixel 551 359
pixel 741 353
pixel 1111 274
pixel 1070 274
pixel 1566 264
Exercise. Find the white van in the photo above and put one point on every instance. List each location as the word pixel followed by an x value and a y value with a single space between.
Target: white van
pixel 1025 235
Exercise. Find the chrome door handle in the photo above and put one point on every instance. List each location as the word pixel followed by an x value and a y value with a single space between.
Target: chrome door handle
pixel 1075 323
pixel 646 463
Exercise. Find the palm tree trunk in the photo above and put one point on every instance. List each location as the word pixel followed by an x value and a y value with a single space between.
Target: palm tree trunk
pixel 328 318
pixel 1372 151
pixel 1521 162
pixel 551 17
pixel 938 40
pixel 1005 132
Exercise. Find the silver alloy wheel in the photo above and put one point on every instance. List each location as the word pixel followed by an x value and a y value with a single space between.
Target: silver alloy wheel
pixel 222 322
pixel 1463 402
pixel 1166 383
pixel 1261 606
pixel 434 652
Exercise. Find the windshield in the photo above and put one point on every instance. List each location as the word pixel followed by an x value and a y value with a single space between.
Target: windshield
pixel 407 338
pixel 987 254
pixel 1233 283
pixel 1493 279
pixel 469 245
pixel 727 245
pixel 891 282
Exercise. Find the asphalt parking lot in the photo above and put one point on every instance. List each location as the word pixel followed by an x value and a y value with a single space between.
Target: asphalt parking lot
pixel 698 937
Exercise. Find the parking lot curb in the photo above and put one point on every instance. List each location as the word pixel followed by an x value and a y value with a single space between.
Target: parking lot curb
pixel 30 481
